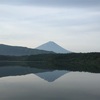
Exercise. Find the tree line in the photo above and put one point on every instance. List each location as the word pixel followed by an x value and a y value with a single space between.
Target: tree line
pixel 72 61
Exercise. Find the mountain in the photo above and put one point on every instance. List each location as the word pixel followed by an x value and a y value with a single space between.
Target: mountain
pixel 52 46
pixel 19 51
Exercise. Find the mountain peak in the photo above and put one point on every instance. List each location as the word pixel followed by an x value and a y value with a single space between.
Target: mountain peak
pixel 52 46
pixel 50 42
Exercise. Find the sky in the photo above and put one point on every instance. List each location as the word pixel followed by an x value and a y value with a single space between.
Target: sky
pixel 73 24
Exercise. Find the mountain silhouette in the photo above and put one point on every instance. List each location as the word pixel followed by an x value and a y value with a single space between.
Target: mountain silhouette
pixel 19 51
pixel 52 46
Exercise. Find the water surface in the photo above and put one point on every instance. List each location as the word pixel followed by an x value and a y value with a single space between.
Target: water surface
pixel 25 83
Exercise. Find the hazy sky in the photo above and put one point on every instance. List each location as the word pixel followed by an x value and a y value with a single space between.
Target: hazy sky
pixel 73 24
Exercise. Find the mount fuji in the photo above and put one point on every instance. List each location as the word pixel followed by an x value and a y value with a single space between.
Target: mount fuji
pixel 52 46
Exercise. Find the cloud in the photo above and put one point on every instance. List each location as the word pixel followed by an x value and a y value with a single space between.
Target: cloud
pixel 67 22
pixel 55 3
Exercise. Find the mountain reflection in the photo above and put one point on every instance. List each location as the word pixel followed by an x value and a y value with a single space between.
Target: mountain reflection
pixel 51 75
pixel 46 74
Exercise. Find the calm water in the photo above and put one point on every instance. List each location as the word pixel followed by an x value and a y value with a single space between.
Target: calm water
pixel 20 83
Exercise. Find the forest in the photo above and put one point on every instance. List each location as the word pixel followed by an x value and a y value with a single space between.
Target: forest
pixel 72 61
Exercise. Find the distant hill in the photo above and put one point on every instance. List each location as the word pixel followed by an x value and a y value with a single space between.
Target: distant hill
pixel 52 46
pixel 19 51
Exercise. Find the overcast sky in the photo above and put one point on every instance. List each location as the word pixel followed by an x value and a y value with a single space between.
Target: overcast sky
pixel 73 24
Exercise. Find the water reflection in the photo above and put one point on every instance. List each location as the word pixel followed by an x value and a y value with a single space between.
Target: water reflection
pixel 48 75
pixel 52 75
pixel 21 83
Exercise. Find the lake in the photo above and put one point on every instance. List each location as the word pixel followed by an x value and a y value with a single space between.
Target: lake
pixel 27 83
